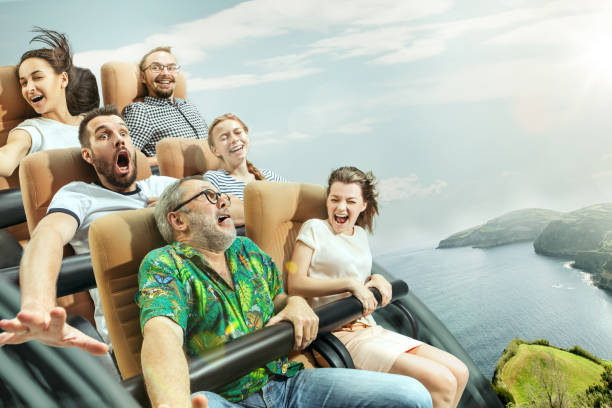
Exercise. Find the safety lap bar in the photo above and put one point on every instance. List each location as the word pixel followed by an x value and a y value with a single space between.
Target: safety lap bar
pixel 223 364
pixel 11 208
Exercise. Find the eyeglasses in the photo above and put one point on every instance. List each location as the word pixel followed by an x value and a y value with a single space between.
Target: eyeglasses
pixel 155 67
pixel 211 195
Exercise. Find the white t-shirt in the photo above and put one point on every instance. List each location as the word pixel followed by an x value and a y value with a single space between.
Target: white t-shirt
pixel 50 134
pixel 86 202
pixel 336 256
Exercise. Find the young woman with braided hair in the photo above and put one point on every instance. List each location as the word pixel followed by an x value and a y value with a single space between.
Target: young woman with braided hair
pixel 57 91
pixel 332 259
pixel 228 139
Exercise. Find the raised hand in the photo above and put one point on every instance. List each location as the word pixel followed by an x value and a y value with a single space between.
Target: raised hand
pixel 48 328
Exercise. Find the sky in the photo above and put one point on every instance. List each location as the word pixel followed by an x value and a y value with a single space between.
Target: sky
pixel 464 110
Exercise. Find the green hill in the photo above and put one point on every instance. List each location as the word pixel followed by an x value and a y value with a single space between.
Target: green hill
pixel 515 226
pixel 584 235
pixel 528 370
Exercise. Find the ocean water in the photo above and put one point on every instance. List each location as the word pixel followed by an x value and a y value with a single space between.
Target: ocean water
pixel 486 297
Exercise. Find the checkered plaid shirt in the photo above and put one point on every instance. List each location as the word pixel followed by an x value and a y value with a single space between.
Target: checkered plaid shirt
pixel 157 118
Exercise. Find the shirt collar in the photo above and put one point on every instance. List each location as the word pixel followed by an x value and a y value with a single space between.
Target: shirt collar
pixel 152 100
pixel 188 251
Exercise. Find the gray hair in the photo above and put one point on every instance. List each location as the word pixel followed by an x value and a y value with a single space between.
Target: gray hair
pixel 170 198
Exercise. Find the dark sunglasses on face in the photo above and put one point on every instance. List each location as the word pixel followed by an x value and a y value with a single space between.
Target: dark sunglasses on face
pixel 211 195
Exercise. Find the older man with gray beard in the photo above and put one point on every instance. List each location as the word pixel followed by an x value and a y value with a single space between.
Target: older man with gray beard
pixel 208 287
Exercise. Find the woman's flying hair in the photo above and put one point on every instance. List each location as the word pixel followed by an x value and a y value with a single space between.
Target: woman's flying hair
pixel 230 116
pixel 367 183
pixel 82 91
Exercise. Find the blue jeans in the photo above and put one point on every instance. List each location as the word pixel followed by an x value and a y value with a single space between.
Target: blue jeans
pixel 334 387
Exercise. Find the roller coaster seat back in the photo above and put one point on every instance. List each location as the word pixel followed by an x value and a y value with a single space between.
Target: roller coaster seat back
pixel 121 84
pixel 118 243
pixel 44 173
pixel 275 212
pixel 180 158
pixel 13 110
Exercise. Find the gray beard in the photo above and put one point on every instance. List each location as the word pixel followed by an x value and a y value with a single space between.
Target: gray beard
pixel 204 234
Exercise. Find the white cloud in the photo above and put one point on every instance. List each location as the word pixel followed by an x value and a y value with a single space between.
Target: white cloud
pixel 241 80
pixel 298 136
pixel 354 128
pixel 271 138
pixel 258 19
pixel 602 175
pixel 401 188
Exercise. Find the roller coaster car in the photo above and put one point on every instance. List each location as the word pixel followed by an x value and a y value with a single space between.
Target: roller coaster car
pixel 118 241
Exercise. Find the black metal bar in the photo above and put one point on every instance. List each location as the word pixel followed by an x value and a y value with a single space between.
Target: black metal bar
pixel 234 359
pixel 11 208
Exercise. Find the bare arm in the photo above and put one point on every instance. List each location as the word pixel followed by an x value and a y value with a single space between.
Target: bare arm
pixel 237 210
pixel 42 259
pixel 17 146
pixel 39 319
pixel 164 365
pixel 299 283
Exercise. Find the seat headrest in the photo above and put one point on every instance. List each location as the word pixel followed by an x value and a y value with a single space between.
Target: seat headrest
pixel 121 84
pixel 275 212
pixel 13 110
pixel 43 173
pixel 178 157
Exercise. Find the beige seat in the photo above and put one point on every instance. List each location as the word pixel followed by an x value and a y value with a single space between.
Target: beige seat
pixel 42 174
pixel 185 157
pixel 274 214
pixel 121 84
pixel 13 110
pixel 118 243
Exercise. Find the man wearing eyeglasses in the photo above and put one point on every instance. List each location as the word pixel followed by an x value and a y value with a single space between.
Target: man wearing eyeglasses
pixel 208 287
pixel 161 114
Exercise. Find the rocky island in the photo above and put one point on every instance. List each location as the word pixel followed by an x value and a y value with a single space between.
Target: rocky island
pixel 584 235
pixel 515 226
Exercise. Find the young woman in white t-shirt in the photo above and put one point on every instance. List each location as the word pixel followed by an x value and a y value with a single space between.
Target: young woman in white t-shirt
pixel 332 259
pixel 58 92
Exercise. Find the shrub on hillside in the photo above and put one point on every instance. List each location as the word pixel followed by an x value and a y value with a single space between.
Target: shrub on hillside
pixel 508 353
pixel 540 342
pixel 579 351
pixel 504 395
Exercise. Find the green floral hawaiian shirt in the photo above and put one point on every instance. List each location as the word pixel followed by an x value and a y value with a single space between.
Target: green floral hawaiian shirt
pixel 177 282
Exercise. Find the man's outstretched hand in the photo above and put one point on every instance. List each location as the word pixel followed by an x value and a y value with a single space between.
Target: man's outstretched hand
pixel 48 328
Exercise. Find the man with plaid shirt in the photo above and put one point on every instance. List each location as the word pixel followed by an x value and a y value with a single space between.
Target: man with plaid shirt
pixel 161 114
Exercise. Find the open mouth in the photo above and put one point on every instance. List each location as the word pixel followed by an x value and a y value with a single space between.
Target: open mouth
pixel 236 149
pixel 222 218
pixel 37 98
pixel 341 219
pixel 164 81
pixel 123 161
